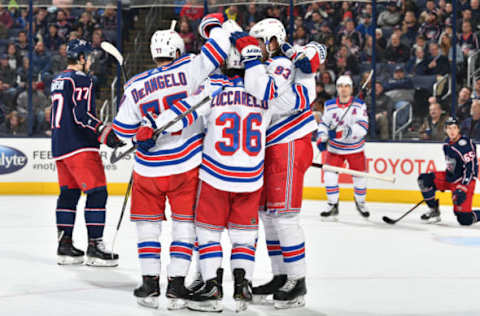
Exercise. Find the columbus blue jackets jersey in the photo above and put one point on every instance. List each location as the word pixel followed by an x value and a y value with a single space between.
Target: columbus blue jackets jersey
pixel 461 161
pixel 73 120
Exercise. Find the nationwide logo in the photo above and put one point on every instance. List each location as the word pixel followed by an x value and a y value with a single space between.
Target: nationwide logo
pixel 11 159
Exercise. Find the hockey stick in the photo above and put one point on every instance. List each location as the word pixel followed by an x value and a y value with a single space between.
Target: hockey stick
pixel 390 221
pixel 112 50
pixel 124 207
pixel 353 172
pixel 361 89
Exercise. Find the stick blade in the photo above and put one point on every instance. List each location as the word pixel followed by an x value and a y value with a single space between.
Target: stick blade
pixel 112 50
pixel 388 220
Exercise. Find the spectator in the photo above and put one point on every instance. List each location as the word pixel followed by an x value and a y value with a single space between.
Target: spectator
pixel 92 11
pixel 22 20
pixel 40 23
pixel 192 13
pixel 437 64
pixel 328 83
pixel 63 26
pixel 468 40
pixel 476 89
pixel 430 29
pixel 322 95
pixel 471 126
pixel 433 128
pixel 475 8
pixel 52 40
pixel 39 103
pixel 108 23
pixel 2 114
pixel 41 60
pixel 43 128
pixel 300 37
pixel 22 73
pixel 365 26
pixel 396 52
pixel 87 24
pixel 464 103
pixel 353 34
pixel 22 43
pixel 380 39
pixel 447 50
pixel 187 35
pixel 409 26
pixel 383 111
pixel 5 17
pixel 14 58
pixel 429 7
pixel 390 17
pixel 59 60
pixel 417 65
pixel 345 61
pixel 419 42
pixel 14 125
pixel 367 51
pixel 252 15
pixel 315 25
pixel 352 48
pixel 8 86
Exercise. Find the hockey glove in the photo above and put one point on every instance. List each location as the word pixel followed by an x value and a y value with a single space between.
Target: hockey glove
pixel 145 133
pixel 209 22
pixel 460 195
pixel 322 140
pixel 247 46
pixel 309 61
pixel 332 134
pixel 322 146
pixel 106 136
pixel 288 50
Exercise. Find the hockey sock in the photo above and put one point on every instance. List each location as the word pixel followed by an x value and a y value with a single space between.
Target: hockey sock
pixel 149 248
pixel 66 210
pixel 210 252
pixel 292 243
pixel 181 248
pixel 427 186
pixel 95 212
pixel 273 245
pixel 331 186
pixel 243 250
pixel 359 189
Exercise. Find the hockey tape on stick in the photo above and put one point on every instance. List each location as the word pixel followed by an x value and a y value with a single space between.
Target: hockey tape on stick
pixel 353 172
pixel 116 157
pixel 112 50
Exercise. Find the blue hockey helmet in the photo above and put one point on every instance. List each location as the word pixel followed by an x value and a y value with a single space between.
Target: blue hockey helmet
pixel 452 121
pixel 77 47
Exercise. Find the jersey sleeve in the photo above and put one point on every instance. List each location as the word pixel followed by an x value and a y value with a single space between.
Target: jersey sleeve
pixel 128 119
pixel 360 128
pixel 266 85
pixel 292 100
pixel 212 55
pixel 308 81
pixel 84 105
pixel 469 160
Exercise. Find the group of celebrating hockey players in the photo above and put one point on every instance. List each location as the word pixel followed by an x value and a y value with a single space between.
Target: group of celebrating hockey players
pixel 240 152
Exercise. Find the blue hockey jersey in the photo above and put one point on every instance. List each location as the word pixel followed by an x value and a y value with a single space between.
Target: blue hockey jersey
pixel 461 160
pixel 73 120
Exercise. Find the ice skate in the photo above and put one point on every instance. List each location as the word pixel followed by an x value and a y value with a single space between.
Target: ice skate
pixel 261 293
pixel 67 253
pixel 291 295
pixel 432 216
pixel 196 284
pixel 177 293
pixel 209 297
pixel 241 291
pixel 331 213
pixel 97 255
pixel 147 294
pixel 362 209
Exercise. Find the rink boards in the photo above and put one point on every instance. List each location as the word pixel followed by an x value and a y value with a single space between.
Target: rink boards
pixel 26 167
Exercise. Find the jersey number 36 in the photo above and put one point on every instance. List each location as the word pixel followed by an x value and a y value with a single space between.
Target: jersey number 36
pixel 238 131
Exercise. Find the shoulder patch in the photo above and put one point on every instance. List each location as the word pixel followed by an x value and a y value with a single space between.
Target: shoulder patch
pixel 462 142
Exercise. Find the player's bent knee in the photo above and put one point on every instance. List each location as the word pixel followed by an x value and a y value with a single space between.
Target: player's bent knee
pixel 97 198
pixel 465 219
pixel 425 180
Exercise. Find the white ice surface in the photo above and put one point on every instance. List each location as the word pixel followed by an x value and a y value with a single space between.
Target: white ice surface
pixel 355 267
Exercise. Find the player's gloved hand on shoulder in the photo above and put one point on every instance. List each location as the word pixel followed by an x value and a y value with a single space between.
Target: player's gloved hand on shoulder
pixel 313 55
pixel 460 194
pixel 247 46
pixel 106 136
pixel 288 50
pixel 322 140
pixel 209 22
pixel 145 133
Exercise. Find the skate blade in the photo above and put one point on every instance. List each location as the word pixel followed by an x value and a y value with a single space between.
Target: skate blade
pixel 261 300
pixel 295 303
pixel 97 262
pixel 68 260
pixel 432 220
pixel 176 303
pixel 150 301
pixel 240 306
pixel 207 306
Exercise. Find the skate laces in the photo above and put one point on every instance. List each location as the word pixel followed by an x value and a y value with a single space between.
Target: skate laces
pixel 289 285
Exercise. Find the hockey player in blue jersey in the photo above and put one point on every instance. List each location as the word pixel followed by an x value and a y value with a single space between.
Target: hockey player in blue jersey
pixel 76 137
pixel 460 176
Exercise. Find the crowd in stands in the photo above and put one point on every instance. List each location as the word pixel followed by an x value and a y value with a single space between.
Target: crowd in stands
pixel 413 51
pixel 52 27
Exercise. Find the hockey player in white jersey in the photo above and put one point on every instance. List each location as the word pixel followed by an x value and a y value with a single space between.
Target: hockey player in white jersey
pixel 231 176
pixel 289 153
pixel 344 137
pixel 168 167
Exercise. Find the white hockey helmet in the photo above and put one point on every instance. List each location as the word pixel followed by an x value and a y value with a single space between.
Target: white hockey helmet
pixel 344 80
pixel 266 29
pixel 165 43
pixel 234 59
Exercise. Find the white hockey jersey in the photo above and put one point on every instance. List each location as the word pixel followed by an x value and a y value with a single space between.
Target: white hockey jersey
pixel 356 118
pixel 235 124
pixel 156 90
pixel 267 84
